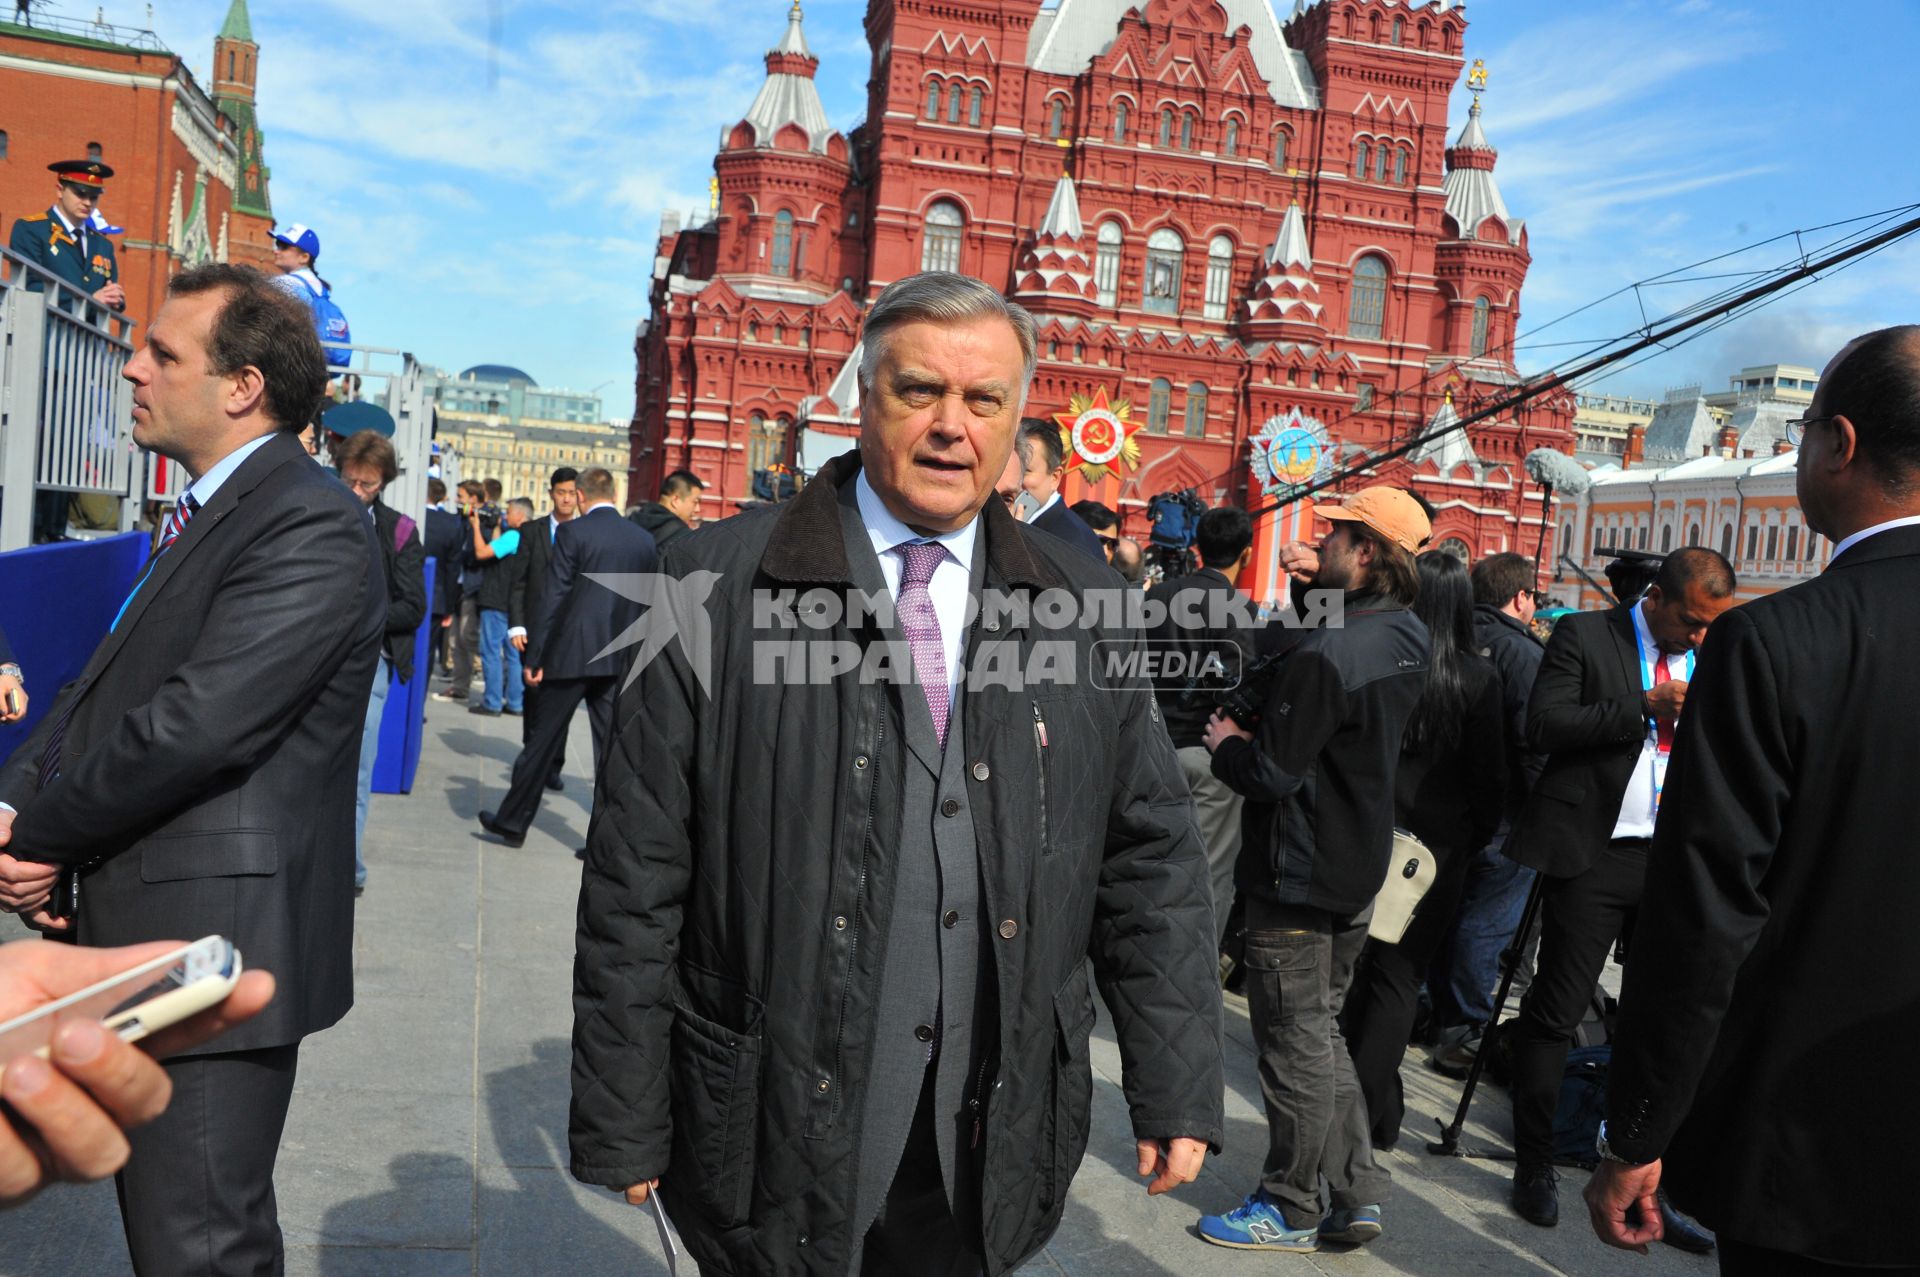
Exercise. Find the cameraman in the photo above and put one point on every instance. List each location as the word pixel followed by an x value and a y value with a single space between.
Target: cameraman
pixel 466 617
pixel 1318 834
pixel 1201 614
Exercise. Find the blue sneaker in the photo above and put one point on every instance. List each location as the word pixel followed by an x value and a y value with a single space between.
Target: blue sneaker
pixel 1257 1224
pixel 1355 1227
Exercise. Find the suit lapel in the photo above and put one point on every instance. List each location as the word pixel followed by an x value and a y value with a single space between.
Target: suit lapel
pixel 1626 644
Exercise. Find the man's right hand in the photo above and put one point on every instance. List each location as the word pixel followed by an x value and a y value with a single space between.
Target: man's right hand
pixel 110 295
pixel 1664 702
pixel 25 884
pixel 532 677
pixel 1300 561
pixel 637 1195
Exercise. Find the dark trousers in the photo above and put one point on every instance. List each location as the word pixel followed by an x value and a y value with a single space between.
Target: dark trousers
pixel 526 733
pixel 547 720
pixel 1737 1259
pixel 196 1196
pixel 916 1231
pixel 1299 964
pixel 466 643
pixel 437 644
pixel 1581 917
pixel 1385 998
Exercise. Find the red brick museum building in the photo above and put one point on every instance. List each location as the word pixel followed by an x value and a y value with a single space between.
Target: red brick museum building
pixel 1216 216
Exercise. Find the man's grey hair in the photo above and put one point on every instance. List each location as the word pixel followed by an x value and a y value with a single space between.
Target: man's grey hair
pixel 523 504
pixel 939 296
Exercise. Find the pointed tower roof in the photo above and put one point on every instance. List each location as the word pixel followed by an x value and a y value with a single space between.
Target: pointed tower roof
pixel 1056 272
pixel 1472 194
pixel 238 25
pixel 1451 449
pixel 1286 301
pixel 789 95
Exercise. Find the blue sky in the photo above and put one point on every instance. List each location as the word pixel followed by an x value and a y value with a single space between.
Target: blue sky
pixel 486 201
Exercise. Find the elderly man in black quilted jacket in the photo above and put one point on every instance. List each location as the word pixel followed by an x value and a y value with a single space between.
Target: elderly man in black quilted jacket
pixel 831 995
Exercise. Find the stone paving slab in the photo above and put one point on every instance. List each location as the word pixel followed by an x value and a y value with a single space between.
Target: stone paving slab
pixel 428 1131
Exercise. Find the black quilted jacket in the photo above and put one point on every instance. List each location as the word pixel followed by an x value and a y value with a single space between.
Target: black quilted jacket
pixel 727 970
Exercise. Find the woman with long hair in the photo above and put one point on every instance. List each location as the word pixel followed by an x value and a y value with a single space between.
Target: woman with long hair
pixel 1448 791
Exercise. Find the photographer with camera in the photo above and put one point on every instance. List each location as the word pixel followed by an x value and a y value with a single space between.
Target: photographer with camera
pixel 1317 836
pixel 466 617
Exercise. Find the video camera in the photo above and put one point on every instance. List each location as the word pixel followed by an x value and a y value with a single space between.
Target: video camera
pixel 1629 572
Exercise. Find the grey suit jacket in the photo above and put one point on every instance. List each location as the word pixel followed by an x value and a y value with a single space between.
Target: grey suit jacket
pixel 207 775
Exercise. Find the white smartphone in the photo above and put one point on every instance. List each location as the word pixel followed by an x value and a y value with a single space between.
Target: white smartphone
pixel 139 1001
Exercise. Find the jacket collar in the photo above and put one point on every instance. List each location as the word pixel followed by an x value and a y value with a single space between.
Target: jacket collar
pixel 1894 543
pixel 807 546
pixel 1495 615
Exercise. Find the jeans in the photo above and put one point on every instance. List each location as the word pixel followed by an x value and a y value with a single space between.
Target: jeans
pixel 369 749
pixel 1299 964
pixel 1467 969
pixel 498 659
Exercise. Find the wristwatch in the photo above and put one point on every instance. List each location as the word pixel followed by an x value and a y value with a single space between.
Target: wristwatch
pixel 1605 1150
pixel 12 671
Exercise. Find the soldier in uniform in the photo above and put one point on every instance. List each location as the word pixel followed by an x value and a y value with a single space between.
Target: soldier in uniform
pixel 60 242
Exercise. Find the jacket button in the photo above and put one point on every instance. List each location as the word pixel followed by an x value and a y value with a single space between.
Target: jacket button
pixel 860 763
pixel 951 807
pixel 1009 929
pixel 950 919
pixel 840 923
pixel 822 1087
pixel 924 1032
pixel 981 771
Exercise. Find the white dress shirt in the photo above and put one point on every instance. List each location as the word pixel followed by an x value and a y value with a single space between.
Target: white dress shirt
pixel 79 233
pixel 1838 550
pixel 220 471
pixel 1045 506
pixel 1641 803
pixel 952 579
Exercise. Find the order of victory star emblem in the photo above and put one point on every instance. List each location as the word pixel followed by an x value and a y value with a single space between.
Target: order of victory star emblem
pixel 1099 434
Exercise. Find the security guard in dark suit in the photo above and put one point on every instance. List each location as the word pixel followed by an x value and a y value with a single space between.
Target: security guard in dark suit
pixel 59 242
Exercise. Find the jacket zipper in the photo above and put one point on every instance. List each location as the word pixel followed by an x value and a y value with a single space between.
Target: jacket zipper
pixel 1040 756
pixel 979 1103
pixel 853 935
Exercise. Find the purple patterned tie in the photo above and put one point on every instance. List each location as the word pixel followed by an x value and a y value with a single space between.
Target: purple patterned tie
pixel 921 625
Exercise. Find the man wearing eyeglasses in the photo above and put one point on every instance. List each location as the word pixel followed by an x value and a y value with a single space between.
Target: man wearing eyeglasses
pixel 1763 1067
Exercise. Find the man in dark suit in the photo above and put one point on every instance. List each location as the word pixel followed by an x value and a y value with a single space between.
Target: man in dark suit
pixel 445 538
pixel 567 659
pixel 530 572
pixel 1605 702
pixel 1043 457
pixel 1764 1063
pixel 198 778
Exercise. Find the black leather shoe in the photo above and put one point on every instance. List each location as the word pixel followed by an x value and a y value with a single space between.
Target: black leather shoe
pixel 555 784
pixel 1682 1232
pixel 491 823
pixel 1536 1197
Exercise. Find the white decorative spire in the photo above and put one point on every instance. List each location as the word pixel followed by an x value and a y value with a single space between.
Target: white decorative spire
pixel 1472 196
pixel 1063 212
pixel 1286 301
pixel 1290 248
pixel 789 95
pixel 795 40
pixel 1449 450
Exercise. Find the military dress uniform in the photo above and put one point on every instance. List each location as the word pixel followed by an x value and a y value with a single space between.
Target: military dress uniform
pixel 80 257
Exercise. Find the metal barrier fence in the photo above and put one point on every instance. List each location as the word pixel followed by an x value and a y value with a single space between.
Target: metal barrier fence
pixel 65 411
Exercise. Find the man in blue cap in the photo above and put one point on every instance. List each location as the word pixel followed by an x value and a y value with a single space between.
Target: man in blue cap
pixel 60 242
pixel 295 249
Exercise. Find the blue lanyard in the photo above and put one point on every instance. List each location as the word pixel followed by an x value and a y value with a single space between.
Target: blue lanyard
pixel 1650 657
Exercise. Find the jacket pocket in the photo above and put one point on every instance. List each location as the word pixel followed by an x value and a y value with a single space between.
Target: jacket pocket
pixel 716 1086
pixel 225 853
pixel 1561 789
pixel 1072 1084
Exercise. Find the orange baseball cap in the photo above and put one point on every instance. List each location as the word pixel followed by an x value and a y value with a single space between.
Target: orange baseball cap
pixel 1392 512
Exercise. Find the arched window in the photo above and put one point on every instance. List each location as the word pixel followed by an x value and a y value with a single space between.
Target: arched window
pixel 765 442
pixel 1186 130
pixel 1219 276
pixel 1230 141
pixel 3 144
pixel 93 150
pixel 1793 542
pixel 1166 126
pixel 956 99
pixel 753 334
pixel 933 99
pixel 1280 151
pixel 1166 252
pixel 783 243
pixel 1056 118
pixel 1666 539
pixel 1480 309
pixel 1157 400
pixel 1726 542
pixel 1119 121
pixel 975 101
pixel 230 64
pixel 1367 306
pixel 1106 263
pixel 1196 411
pixel 1362 160
pixel 1400 166
pixel 1381 154
pixel 1399 30
pixel 1457 548
pixel 940 250
pixel 1693 534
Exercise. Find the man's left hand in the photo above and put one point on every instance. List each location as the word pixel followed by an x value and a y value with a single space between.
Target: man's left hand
pixel 1614 1188
pixel 1219 728
pixel 24 884
pixel 1171 1162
